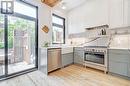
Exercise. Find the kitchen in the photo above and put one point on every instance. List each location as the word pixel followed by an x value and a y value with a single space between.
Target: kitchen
pixel 78 40
pixel 107 36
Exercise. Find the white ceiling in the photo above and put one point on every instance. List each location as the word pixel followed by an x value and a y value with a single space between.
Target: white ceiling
pixel 70 4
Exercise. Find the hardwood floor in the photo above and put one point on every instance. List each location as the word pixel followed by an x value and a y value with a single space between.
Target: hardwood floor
pixel 78 76
pixel 70 76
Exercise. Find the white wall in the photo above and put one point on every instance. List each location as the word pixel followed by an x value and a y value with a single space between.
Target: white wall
pixel 92 13
pixel 44 16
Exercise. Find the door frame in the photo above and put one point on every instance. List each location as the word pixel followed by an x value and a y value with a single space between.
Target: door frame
pixel 6 75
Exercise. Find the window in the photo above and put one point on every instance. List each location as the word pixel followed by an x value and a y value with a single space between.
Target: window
pixel 58 24
pixel 25 9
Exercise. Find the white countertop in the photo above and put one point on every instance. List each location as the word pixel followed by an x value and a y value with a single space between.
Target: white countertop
pixel 52 47
pixel 70 46
pixel 64 49
pixel 118 48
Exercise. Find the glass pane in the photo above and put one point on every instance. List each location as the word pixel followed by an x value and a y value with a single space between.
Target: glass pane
pixel 2 48
pixel 24 9
pixel 21 44
pixel 58 36
pixel 57 20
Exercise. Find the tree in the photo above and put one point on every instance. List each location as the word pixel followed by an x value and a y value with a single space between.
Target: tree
pixel 17 23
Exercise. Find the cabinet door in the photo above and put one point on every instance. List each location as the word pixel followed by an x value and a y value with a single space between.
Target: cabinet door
pixel 119 62
pixel 67 59
pixel 78 56
pixel 127 12
pixel 116 13
pixel 120 68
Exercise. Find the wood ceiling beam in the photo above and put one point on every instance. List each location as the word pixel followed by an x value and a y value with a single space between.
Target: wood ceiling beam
pixel 50 3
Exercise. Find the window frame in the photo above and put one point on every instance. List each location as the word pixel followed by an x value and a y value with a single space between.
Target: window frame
pixel 59 26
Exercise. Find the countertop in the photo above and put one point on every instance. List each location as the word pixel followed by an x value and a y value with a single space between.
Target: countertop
pixel 64 49
pixel 72 46
pixel 58 46
pixel 117 48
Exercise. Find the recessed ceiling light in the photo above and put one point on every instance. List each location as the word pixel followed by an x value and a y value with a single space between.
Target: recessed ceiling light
pixel 63 5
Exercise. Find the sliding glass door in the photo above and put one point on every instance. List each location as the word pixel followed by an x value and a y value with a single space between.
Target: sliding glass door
pixel 21 44
pixel 18 40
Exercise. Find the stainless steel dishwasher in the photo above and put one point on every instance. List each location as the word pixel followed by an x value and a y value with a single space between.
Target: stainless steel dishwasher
pixel 54 59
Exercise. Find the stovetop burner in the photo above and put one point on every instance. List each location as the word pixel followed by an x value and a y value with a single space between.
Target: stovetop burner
pixel 93 49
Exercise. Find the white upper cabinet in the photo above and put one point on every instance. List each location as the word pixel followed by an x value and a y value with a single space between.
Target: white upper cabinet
pixel 116 13
pixel 126 12
pixel 119 13
pixel 90 14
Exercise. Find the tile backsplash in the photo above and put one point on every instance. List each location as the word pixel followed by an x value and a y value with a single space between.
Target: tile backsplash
pixel 120 37
pixel 120 41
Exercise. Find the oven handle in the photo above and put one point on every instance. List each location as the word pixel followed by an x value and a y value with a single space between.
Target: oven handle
pixel 95 53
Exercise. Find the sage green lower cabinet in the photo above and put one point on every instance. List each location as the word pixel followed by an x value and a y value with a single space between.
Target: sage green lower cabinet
pixel 118 68
pixel 119 62
pixel 79 55
pixel 67 59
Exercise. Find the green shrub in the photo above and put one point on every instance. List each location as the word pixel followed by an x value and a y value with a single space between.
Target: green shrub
pixel 10 42
pixel 1 45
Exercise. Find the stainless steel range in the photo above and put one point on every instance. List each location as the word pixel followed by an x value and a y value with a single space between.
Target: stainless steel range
pixel 96 57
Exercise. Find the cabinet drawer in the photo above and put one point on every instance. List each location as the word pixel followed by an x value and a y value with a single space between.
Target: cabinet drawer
pixel 118 68
pixel 119 51
pixel 78 49
pixel 119 57
pixel 79 53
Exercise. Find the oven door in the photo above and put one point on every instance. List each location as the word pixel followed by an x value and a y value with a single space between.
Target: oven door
pixel 94 57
